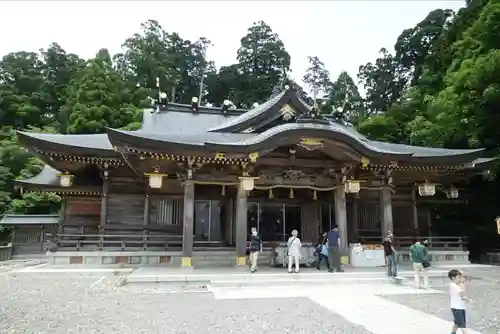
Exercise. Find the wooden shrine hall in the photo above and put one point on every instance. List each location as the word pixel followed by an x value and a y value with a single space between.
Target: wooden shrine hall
pixel 194 179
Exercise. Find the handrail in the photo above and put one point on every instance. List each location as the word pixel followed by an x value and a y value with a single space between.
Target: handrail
pixel 436 243
pixel 122 241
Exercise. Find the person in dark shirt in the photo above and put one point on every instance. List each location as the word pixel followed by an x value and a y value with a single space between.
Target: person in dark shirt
pixel 390 254
pixel 255 249
pixel 334 250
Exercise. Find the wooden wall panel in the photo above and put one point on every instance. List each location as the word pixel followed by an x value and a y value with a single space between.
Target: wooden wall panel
pixel 83 206
pixel 125 209
pixel 81 215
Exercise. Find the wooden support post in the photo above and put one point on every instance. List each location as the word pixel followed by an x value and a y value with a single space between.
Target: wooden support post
pixel 386 211
pixel 62 216
pixel 241 226
pixel 104 204
pixel 341 217
pixel 188 224
pixel 147 206
pixel 415 211
pixel 355 218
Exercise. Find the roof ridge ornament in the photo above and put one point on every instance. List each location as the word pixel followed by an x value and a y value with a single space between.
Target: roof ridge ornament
pixel 313 115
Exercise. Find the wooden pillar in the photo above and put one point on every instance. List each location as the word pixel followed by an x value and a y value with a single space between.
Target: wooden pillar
pixel 341 216
pixel 188 224
pixel 147 206
pixel 62 216
pixel 104 204
pixel 355 218
pixel 415 211
pixel 241 226
pixel 386 211
pixel 228 230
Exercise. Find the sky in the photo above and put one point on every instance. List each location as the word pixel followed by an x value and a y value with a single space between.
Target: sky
pixel 343 34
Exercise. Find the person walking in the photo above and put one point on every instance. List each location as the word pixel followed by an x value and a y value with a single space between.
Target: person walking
pixel 322 251
pixel 334 250
pixel 390 254
pixel 418 256
pixel 255 249
pixel 294 246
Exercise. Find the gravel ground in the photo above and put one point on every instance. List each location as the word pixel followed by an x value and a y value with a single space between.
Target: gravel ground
pixel 56 303
pixel 484 289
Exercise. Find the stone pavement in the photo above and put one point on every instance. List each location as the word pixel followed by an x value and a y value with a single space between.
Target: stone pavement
pixel 359 304
pixel 50 299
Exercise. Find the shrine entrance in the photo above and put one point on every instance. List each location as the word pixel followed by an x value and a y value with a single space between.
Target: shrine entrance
pixel 274 220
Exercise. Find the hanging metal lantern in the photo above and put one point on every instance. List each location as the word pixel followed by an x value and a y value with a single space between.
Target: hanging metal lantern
pixel 65 179
pixel 156 179
pixel 452 193
pixel 352 186
pixel 247 182
pixel 427 189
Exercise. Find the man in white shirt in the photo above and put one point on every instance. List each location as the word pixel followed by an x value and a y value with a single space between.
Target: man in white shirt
pixel 458 301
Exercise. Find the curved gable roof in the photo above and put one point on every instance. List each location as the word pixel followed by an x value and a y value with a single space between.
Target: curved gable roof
pixel 263 113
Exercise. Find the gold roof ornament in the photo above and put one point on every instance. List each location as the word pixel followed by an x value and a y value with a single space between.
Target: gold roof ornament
pixel 287 112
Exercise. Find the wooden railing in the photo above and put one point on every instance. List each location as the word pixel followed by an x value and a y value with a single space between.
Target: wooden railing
pixel 433 243
pixel 6 252
pixel 118 241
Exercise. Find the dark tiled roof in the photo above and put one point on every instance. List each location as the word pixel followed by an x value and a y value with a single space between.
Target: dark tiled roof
pixel 181 121
pixel 179 125
pixel 252 113
pixel 48 177
pixel 30 220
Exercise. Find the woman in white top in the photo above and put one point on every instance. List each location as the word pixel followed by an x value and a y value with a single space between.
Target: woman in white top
pixel 294 246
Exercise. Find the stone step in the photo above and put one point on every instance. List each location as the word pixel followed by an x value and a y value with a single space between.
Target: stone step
pixel 294 281
pixel 262 278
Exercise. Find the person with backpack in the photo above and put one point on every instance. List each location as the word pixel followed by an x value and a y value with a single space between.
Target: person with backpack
pixel 294 246
pixel 418 256
pixel 322 251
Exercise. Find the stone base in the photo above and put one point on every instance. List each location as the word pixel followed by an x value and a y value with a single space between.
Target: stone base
pixel 221 258
pixel 241 261
pixel 186 262
pixel 444 256
pixel 115 258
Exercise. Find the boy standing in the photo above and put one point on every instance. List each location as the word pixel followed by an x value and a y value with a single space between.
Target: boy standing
pixel 457 301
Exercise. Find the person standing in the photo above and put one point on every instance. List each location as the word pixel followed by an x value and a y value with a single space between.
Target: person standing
pixel 390 254
pixel 294 246
pixel 418 256
pixel 255 249
pixel 458 301
pixel 334 250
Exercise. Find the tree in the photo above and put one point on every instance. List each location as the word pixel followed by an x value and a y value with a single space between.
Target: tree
pixel 154 53
pixel 263 62
pixel 383 82
pixel 317 77
pixel 58 71
pixel 21 80
pixel 100 98
pixel 413 46
pixel 344 98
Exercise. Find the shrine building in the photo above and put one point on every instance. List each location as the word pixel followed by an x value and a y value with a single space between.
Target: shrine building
pixel 193 180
